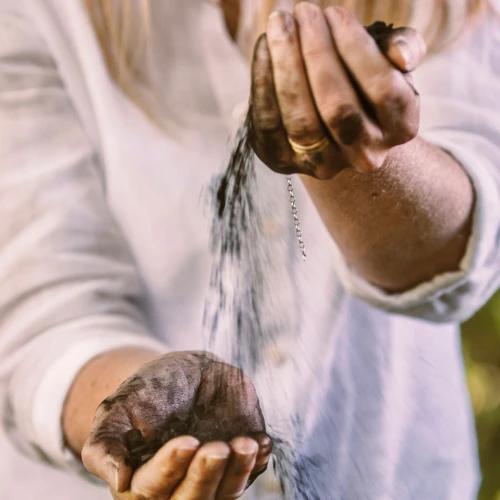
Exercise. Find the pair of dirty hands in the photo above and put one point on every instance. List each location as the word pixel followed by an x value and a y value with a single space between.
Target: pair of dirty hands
pixel 316 73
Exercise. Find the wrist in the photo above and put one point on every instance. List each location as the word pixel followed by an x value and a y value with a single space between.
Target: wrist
pixel 99 378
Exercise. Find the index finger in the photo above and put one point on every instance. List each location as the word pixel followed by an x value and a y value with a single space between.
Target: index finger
pixel 386 89
pixel 158 477
pixel 204 473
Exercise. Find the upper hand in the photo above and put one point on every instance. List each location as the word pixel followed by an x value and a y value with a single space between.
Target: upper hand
pixel 199 399
pixel 319 74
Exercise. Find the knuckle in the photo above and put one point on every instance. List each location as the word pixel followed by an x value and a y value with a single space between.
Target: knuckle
pixel 266 121
pixel 313 51
pixel 106 436
pixel 202 477
pixel 202 480
pixel 388 89
pixel 408 132
pixel 169 475
pixel 302 125
pixel 346 121
pixel 405 128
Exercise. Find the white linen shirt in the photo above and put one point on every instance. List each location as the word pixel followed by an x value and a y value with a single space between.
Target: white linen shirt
pixel 104 243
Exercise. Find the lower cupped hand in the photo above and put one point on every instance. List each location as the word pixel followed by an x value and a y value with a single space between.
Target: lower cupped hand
pixel 198 430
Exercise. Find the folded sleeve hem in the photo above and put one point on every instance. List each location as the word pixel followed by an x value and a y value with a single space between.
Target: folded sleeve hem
pixel 56 382
pixel 452 296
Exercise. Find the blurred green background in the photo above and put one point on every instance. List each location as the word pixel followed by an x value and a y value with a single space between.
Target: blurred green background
pixel 481 344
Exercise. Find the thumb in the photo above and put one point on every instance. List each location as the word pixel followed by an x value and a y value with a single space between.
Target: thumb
pixel 405 48
pixel 106 455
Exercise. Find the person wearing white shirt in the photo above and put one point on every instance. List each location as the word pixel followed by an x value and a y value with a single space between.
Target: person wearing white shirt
pixel 109 131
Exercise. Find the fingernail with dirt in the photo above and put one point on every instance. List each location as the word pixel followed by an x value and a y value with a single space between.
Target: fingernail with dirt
pixel 279 24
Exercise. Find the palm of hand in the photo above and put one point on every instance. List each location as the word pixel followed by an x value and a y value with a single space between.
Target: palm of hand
pixel 182 397
pixel 179 394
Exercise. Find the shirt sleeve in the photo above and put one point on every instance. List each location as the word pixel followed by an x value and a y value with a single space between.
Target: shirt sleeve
pixel 460 113
pixel 68 285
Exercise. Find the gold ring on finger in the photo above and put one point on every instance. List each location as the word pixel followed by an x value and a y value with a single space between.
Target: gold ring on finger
pixel 313 148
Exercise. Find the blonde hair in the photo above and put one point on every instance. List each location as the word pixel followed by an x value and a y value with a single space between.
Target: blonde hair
pixel 122 28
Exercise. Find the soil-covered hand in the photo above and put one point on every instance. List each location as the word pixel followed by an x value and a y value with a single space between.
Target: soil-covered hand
pixel 185 426
pixel 339 91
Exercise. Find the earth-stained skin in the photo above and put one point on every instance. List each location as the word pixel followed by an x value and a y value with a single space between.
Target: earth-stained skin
pixel 279 156
pixel 182 393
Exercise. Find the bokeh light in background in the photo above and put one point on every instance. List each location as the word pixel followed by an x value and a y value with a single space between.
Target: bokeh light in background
pixel 481 345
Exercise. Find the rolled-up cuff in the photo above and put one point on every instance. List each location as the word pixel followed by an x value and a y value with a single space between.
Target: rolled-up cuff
pixel 451 296
pixel 36 408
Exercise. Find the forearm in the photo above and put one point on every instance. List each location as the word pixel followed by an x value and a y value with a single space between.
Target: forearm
pixel 403 224
pixel 96 381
